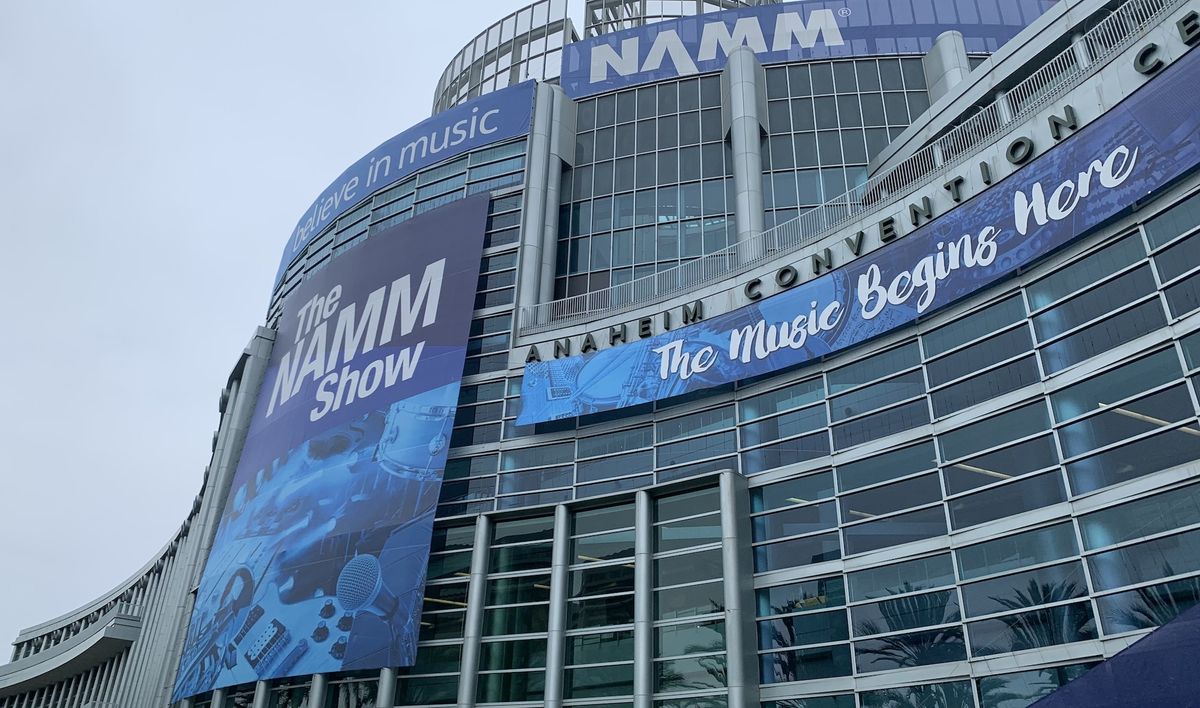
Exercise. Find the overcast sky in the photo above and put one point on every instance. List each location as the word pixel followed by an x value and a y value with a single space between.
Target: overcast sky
pixel 154 158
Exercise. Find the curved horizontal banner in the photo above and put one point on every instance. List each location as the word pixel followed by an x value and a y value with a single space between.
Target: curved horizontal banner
pixel 792 31
pixel 319 560
pixel 504 114
pixel 1146 142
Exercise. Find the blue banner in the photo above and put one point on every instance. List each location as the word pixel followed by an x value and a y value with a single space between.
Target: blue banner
pixel 498 116
pixel 319 561
pixel 793 31
pixel 1143 144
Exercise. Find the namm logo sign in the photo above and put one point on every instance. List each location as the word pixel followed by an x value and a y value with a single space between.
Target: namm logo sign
pixel 785 32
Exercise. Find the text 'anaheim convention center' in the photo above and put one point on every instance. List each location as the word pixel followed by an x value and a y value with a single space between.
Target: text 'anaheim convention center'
pixel 707 354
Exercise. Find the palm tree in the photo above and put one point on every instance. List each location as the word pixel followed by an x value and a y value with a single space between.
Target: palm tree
pixel 1048 626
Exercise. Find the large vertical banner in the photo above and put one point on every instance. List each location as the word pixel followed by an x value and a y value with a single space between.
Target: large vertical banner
pixel 319 561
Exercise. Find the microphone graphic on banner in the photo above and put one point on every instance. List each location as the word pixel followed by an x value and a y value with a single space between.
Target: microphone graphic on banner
pixel 360 587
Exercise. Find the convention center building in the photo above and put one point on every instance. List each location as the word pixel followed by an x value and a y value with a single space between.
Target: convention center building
pixel 708 354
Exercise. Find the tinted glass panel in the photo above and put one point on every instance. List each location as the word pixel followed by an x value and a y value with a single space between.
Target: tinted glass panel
pixel 891 497
pixel 795 521
pixel 796 552
pixel 1004 464
pixel 1029 630
pixel 798 490
pixel 1017 551
pixel 1136 459
pixel 802 629
pixel 806 664
pixel 895 530
pixel 1143 517
pixel 890 465
pixel 804 596
pixel 1149 606
pixel 901 613
pixel 1007 500
pixel 1162 557
pixel 1026 589
pixel 918 574
pixel 904 651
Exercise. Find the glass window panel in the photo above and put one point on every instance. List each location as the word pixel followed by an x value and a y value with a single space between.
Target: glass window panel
pixel 516 686
pixel 802 629
pixel 785 425
pixel 878 425
pixel 691 638
pixel 999 429
pixel 1127 420
pixel 510 591
pixel 523 619
pixel 950 694
pixel 607 546
pixel 1046 627
pixel 1180 218
pixel 617 466
pixel 1149 560
pixel 513 558
pixel 1143 517
pixel 534 480
pixel 523 653
pixel 687 504
pixel 600 648
pixel 696 423
pixel 798 490
pixel 895 530
pixel 688 533
pixel 902 613
pixel 697 448
pixel 873 368
pixel 804 665
pixel 689 674
pixel 1007 463
pixel 689 601
pixel 804 596
pixel 600 612
pixel 620 441
pixel 794 521
pixel 1089 269
pixel 808 447
pixel 908 576
pixel 687 568
pixel 1149 606
pixel 890 465
pixel 1024 688
pixel 1030 588
pixel 592 520
pixel 1136 459
pixel 599 681
pixel 1007 500
pixel 1017 551
pixel 797 552
pixel 904 651
pixel 1094 303
pixel 602 580
pixel 877 395
pixel 891 497
pixel 560 453
pixel 979 356
pixel 1115 384
pixel 1103 336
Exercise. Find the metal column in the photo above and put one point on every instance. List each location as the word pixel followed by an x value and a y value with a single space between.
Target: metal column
pixel 536 176
pixel 316 692
pixel 557 623
pixel 643 602
pixel 743 95
pixel 386 696
pixel 262 692
pixel 473 624
pixel 741 658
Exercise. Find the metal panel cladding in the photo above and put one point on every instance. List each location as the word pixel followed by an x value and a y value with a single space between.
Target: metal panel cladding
pixel 319 561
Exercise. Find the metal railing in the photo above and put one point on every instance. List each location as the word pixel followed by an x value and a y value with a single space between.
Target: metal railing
pixel 1111 35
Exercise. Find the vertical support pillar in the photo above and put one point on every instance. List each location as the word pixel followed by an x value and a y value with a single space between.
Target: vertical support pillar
pixel 743 90
pixel 1003 107
pixel 473 624
pixel 562 152
pixel 262 692
pixel 556 646
pixel 385 697
pixel 946 64
pixel 218 698
pixel 316 692
pixel 1079 46
pixel 741 657
pixel 544 174
pixel 186 703
pixel 643 602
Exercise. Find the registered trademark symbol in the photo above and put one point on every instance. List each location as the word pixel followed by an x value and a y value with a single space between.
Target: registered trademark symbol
pixel 844 12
